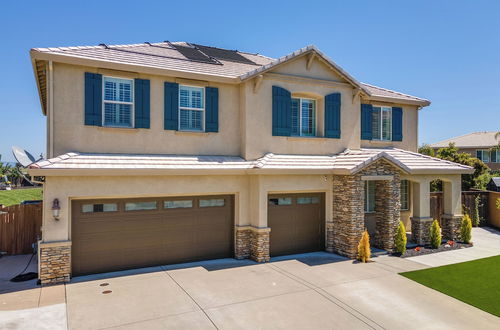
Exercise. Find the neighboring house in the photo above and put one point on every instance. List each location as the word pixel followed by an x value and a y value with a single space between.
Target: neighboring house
pixel 171 152
pixel 494 184
pixel 478 144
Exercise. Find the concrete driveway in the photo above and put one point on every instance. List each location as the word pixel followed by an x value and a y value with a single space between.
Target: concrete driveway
pixel 310 291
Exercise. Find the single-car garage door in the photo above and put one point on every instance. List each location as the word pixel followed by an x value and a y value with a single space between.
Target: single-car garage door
pixel 109 235
pixel 297 223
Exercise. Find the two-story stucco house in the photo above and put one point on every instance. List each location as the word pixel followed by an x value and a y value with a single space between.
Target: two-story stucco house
pixel 170 152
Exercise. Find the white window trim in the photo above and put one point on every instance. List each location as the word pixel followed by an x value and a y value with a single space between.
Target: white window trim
pixel 483 151
pixel 367 196
pixel 408 192
pixel 382 109
pixel 300 116
pixel 189 108
pixel 132 112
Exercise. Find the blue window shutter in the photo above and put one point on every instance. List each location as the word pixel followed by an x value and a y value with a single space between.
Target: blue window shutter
pixel 332 115
pixel 397 124
pixel 142 103
pixel 211 109
pixel 93 99
pixel 171 115
pixel 366 121
pixel 282 112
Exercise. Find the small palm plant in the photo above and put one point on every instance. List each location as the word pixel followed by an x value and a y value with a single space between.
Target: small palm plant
pixel 466 229
pixel 435 234
pixel 400 239
pixel 364 251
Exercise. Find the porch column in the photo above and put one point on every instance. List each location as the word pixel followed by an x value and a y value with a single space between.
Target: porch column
pixel 421 220
pixel 452 202
pixel 388 211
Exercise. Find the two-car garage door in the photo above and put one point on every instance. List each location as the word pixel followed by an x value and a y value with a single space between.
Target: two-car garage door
pixel 111 235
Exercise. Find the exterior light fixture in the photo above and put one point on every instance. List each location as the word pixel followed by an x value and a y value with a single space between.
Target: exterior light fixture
pixel 56 209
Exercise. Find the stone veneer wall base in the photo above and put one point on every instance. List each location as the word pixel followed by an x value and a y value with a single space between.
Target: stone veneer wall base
pixel 54 262
pixel 450 226
pixel 420 230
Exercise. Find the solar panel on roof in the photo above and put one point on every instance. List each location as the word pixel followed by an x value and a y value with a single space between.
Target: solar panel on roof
pixel 194 54
pixel 224 54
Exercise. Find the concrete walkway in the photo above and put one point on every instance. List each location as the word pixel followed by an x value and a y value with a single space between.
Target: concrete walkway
pixel 310 291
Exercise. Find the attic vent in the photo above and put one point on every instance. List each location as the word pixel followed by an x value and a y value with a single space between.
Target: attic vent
pixel 224 54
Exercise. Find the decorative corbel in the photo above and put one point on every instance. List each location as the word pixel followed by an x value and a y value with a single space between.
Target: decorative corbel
pixel 355 94
pixel 257 83
pixel 310 59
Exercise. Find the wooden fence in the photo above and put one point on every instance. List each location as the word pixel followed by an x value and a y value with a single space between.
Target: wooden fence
pixel 20 227
pixel 468 203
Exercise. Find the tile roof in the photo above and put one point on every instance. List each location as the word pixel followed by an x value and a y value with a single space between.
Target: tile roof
pixel 347 162
pixel 472 140
pixel 169 56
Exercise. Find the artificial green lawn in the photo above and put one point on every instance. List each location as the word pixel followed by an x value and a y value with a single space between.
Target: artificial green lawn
pixel 16 196
pixel 474 282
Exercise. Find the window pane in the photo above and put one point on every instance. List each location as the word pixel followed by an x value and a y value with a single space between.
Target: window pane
pixel 281 201
pixel 376 123
pixel 178 204
pixel 307 200
pixel 211 202
pixel 386 123
pixel 117 89
pixel 140 206
pixel 295 117
pixel 191 120
pixel 109 207
pixel 370 196
pixel 486 156
pixel 117 114
pixel 404 195
pixel 191 97
pixel 308 118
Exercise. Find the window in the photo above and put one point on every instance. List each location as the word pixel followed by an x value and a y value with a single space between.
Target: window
pixel 211 202
pixel 140 206
pixel 303 117
pixel 280 201
pixel 177 204
pixel 483 155
pixel 191 108
pixel 92 208
pixel 118 102
pixel 307 200
pixel 370 196
pixel 382 123
pixel 495 156
pixel 405 195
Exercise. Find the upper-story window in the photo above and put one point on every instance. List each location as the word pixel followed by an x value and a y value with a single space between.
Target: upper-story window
pixel 382 123
pixel 483 155
pixel 118 102
pixel 303 117
pixel 191 108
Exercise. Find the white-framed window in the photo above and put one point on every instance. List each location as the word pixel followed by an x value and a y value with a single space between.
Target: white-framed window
pixel 483 155
pixel 405 195
pixel 370 196
pixel 495 156
pixel 303 117
pixel 118 102
pixel 382 123
pixel 191 108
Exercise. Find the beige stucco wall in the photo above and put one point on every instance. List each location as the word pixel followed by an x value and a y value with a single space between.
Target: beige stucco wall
pixel 70 133
pixel 250 194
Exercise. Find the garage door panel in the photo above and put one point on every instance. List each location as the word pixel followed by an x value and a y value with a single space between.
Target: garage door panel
pixel 109 241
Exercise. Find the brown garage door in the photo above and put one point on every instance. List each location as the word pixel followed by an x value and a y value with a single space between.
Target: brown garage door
pixel 111 235
pixel 297 223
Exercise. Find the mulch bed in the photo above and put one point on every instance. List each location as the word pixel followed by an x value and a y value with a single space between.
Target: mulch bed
pixel 412 252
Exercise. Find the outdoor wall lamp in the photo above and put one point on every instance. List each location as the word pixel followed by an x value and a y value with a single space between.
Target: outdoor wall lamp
pixel 56 209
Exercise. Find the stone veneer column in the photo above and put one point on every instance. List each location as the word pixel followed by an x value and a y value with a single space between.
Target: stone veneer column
pixel 259 249
pixel 348 215
pixel 420 230
pixel 243 238
pixel 388 214
pixel 450 226
pixel 54 262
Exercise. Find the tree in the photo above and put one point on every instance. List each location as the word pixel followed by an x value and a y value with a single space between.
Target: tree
pixel 426 149
pixel 364 251
pixel 400 239
pixel 466 229
pixel 469 181
pixel 435 235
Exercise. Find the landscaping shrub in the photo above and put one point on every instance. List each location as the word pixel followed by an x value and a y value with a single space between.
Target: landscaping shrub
pixel 400 238
pixel 364 247
pixel 435 234
pixel 476 220
pixel 466 229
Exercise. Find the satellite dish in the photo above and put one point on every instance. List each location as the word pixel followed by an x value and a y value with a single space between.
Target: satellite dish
pixel 22 156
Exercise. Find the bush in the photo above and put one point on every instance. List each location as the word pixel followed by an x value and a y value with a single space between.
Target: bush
pixel 435 234
pixel 364 247
pixel 476 219
pixel 400 238
pixel 466 229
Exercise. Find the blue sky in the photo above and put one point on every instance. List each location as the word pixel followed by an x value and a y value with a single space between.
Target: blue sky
pixel 445 51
